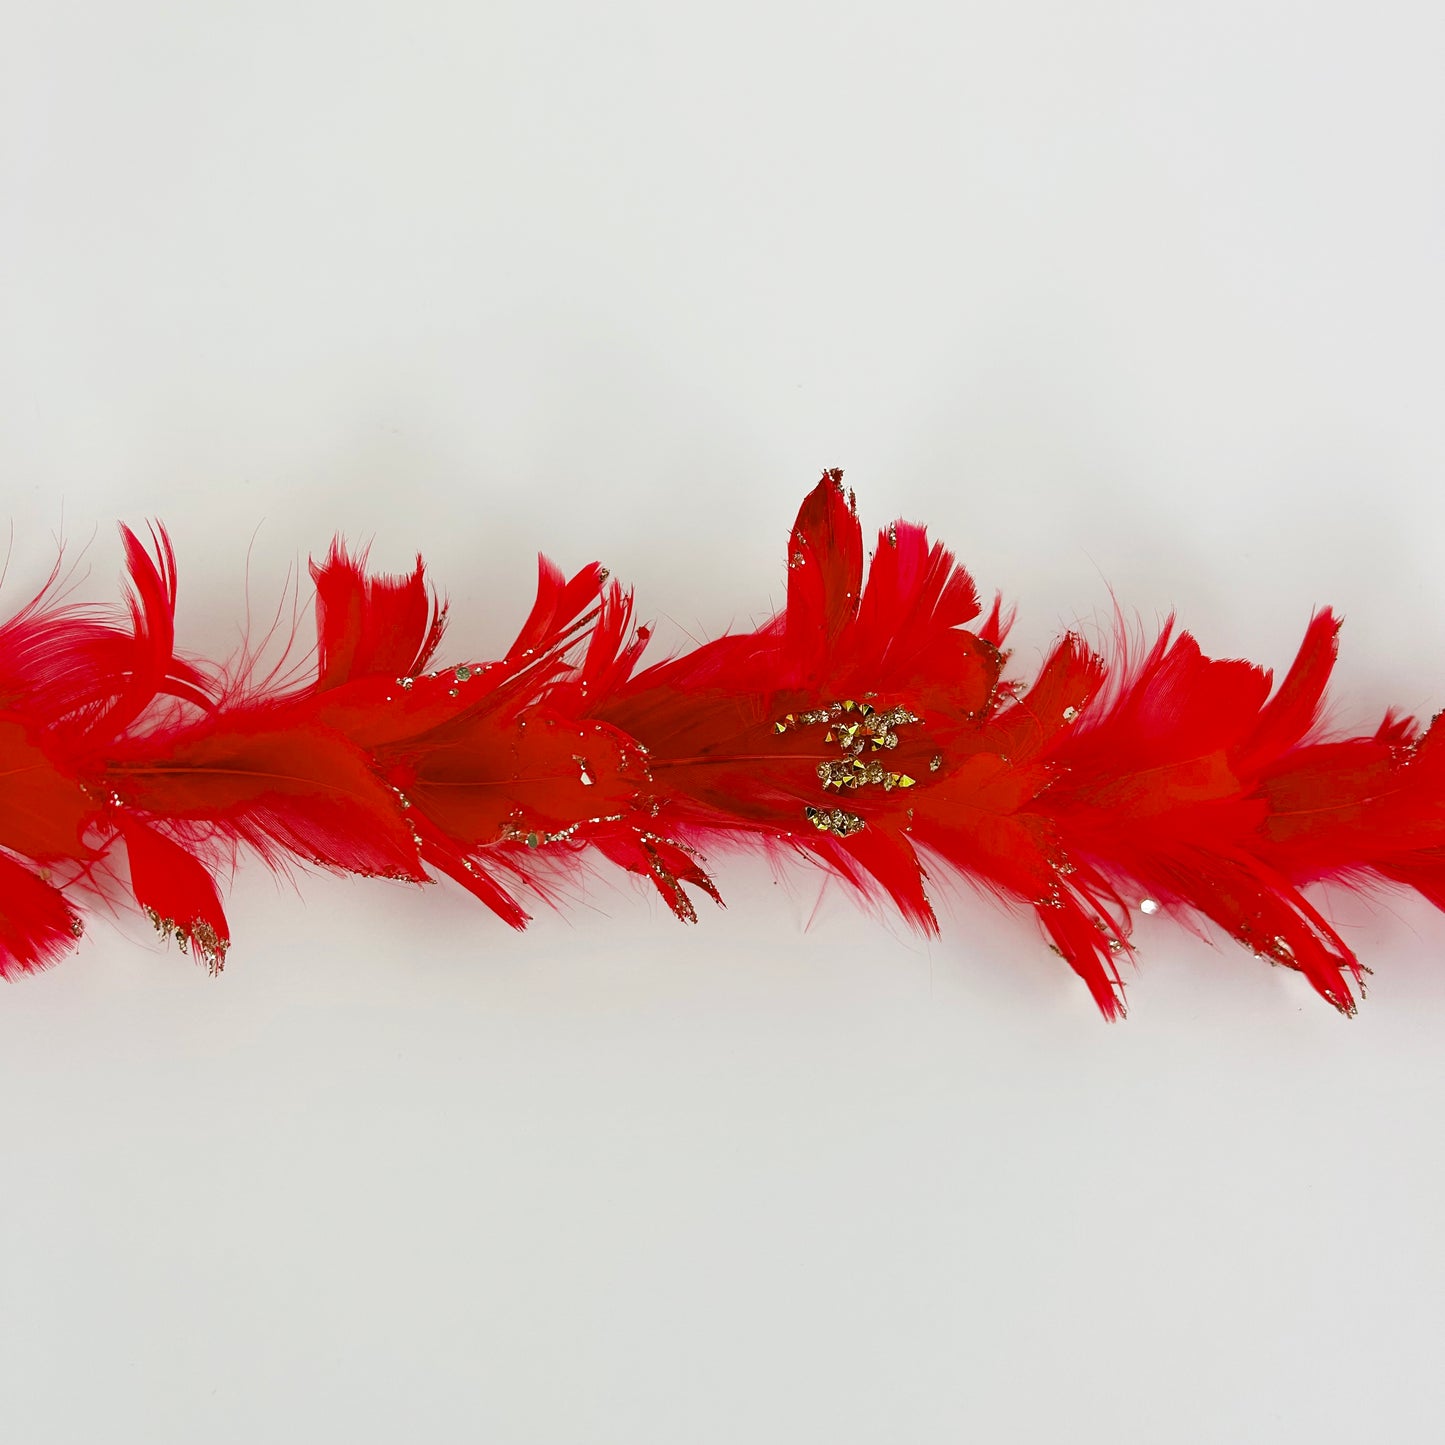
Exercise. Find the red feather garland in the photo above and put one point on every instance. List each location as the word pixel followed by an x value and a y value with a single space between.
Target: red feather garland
pixel 868 727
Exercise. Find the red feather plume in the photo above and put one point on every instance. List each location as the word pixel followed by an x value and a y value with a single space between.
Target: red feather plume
pixel 869 728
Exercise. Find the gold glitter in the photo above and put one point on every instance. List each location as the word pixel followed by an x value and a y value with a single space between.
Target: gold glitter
pixel 210 946
pixel 462 673
pixel 1070 713
pixel 678 900
pixel 513 831
pixel 405 682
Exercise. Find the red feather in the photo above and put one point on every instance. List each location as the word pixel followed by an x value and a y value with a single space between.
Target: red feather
pixel 868 727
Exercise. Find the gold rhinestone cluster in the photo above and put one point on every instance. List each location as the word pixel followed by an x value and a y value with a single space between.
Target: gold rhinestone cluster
pixel 853 727
pixel 871 725
pixel 855 772
pixel 837 821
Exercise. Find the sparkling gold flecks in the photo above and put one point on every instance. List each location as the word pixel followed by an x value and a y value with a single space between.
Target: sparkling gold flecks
pixel 999 655
pixel 796 560
pixel 602 575
pixel 935 762
pixel 893 534
pixel 405 682
pixel 462 673
pixel 210 946
pixel 678 900
pixel 581 762
pixel 514 832
pixel 77 926
pixel 1278 952
pixel 671 842
pixel 1070 713
pixel 833 820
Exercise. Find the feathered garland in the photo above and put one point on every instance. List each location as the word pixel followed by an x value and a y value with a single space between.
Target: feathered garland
pixel 868 727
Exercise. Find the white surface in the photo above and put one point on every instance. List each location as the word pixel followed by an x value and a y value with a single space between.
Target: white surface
pixel 1149 294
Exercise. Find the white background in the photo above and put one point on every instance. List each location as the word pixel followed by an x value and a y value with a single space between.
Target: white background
pixel 1129 295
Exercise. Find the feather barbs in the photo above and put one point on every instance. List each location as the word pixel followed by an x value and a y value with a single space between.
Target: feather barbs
pixel 869 727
